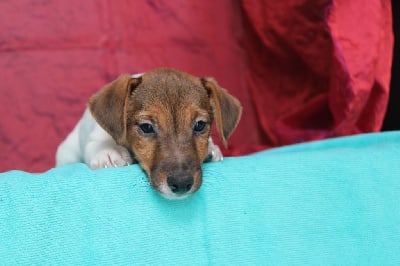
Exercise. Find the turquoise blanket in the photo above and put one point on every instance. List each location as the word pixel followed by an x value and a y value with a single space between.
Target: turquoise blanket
pixel 332 202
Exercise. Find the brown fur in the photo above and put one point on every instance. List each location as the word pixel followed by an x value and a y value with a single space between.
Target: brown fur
pixel 171 101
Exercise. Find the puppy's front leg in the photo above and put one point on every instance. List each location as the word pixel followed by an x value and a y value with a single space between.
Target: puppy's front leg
pixel 214 152
pixel 102 151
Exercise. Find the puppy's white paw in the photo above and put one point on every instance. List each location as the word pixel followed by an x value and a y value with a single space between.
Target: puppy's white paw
pixel 111 157
pixel 214 153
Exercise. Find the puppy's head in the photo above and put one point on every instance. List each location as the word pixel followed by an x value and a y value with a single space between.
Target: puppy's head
pixel 164 118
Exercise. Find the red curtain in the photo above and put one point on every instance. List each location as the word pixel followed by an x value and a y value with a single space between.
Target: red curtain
pixel 318 69
pixel 303 70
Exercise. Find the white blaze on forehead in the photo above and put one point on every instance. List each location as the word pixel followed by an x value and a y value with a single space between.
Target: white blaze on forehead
pixel 137 75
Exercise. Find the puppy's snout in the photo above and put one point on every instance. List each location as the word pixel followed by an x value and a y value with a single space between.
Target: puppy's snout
pixel 176 180
pixel 180 184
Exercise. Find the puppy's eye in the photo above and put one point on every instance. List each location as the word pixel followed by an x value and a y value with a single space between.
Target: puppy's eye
pixel 199 126
pixel 147 128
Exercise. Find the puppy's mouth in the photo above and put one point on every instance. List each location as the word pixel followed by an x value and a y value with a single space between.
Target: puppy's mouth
pixel 167 193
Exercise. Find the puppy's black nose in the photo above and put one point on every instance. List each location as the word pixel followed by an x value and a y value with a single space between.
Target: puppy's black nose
pixel 180 184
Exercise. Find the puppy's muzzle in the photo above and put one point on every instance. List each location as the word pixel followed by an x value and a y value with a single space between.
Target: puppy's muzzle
pixel 177 181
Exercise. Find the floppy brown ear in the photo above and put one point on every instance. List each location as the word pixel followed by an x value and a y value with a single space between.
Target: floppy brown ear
pixel 108 106
pixel 227 109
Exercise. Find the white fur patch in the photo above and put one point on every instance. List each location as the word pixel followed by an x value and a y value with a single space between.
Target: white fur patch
pixel 137 75
pixel 168 194
pixel 90 143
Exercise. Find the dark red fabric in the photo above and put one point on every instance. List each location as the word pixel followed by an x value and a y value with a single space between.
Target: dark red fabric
pixel 303 70
pixel 322 67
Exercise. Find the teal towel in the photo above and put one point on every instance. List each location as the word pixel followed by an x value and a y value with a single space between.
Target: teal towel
pixel 332 202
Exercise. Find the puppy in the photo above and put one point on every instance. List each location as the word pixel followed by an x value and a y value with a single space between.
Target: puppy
pixel 160 119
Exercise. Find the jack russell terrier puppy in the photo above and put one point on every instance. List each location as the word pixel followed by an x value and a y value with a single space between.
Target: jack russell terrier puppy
pixel 160 119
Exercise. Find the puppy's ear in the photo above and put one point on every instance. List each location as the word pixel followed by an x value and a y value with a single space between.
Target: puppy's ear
pixel 108 106
pixel 227 109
